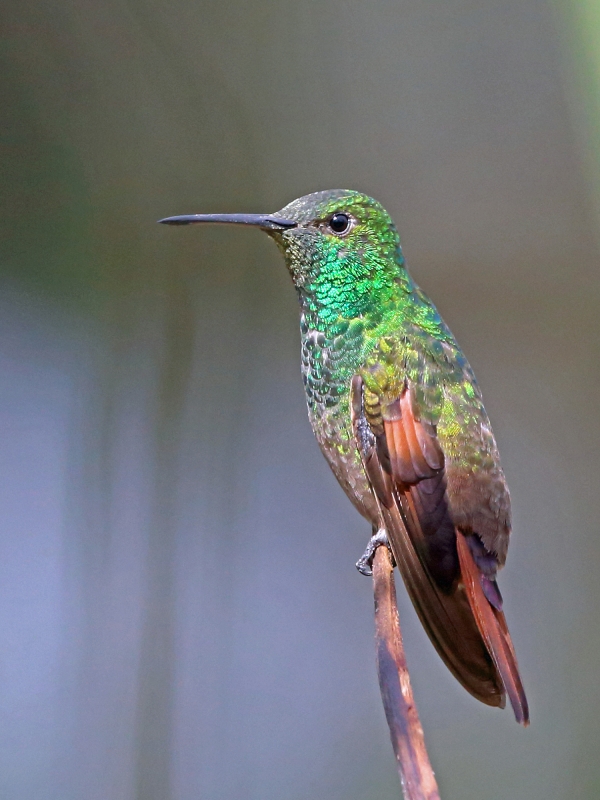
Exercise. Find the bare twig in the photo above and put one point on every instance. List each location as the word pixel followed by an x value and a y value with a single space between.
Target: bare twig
pixel 414 768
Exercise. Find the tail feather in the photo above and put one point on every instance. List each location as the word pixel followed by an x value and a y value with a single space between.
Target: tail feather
pixel 494 631
pixel 405 466
pixel 446 616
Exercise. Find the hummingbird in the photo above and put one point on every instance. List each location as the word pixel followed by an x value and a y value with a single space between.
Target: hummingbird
pixel 398 414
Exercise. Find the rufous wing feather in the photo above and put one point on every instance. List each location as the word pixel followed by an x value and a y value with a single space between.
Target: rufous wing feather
pixel 410 484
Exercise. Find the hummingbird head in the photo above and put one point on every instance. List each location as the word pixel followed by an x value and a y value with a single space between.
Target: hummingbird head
pixel 343 254
pixel 341 248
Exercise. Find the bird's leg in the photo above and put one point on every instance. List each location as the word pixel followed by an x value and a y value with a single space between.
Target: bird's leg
pixel 379 539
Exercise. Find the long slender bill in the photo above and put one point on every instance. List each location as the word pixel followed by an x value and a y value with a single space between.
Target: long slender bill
pixel 265 221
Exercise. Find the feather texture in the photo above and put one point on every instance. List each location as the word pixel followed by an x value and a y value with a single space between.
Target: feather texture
pixel 443 580
pixel 398 414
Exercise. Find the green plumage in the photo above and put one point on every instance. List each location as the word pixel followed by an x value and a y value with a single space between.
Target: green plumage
pixel 397 412
pixel 362 313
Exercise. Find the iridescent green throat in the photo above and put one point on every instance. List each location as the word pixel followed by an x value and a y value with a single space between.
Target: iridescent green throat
pixel 364 294
pixel 345 316
pixel 353 287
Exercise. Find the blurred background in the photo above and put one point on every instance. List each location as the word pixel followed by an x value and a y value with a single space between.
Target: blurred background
pixel 180 616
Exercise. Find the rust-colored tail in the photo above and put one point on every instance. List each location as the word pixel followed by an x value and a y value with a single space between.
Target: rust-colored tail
pixel 494 631
pixel 406 469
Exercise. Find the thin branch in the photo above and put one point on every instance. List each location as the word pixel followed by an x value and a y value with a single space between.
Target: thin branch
pixel 416 776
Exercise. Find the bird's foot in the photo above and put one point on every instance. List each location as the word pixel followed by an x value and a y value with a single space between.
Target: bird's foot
pixel 365 563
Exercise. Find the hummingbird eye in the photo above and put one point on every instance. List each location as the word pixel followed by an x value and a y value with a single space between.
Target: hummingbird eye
pixel 339 223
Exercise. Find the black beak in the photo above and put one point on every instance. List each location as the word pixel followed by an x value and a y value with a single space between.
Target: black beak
pixel 265 221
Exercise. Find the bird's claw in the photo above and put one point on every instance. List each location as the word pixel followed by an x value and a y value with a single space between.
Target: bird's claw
pixel 365 563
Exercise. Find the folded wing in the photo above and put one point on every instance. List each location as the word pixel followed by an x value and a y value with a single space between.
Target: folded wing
pixel 404 462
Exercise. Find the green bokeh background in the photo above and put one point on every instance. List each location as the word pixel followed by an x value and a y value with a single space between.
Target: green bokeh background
pixel 180 617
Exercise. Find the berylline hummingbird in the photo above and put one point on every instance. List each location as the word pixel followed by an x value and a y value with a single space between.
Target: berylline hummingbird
pixel 398 414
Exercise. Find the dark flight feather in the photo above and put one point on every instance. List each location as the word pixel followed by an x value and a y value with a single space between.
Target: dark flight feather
pixel 443 581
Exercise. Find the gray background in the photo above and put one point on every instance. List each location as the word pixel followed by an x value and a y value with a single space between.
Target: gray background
pixel 180 617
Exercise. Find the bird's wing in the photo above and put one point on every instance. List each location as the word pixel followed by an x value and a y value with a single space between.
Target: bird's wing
pixel 404 462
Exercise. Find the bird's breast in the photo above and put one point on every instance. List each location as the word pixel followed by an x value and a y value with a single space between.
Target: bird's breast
pixel 328 364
